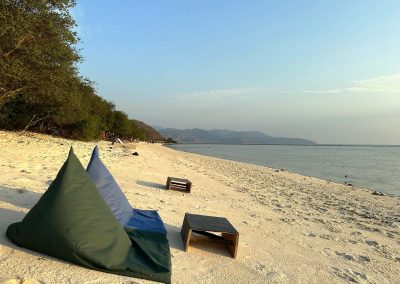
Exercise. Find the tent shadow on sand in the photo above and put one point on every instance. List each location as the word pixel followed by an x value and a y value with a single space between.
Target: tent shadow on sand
pixel 174 237
pixel 151 184
pixel 8 216
pixel 20 197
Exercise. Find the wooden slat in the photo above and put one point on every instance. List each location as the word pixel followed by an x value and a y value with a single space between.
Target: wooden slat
pixel 179 184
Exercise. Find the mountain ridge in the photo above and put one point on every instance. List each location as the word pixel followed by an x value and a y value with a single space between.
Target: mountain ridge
pixel 224 136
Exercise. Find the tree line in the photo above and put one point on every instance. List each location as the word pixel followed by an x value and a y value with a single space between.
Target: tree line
pixel 41 89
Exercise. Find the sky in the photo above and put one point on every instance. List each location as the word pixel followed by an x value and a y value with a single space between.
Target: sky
pixel 328 71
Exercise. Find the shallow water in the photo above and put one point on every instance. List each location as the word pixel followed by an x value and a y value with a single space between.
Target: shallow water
pixel 371 167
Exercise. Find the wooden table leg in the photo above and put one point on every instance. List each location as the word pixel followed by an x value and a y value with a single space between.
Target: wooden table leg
pixel 186 233
pixel 168 183
pixel 189 187
pixel 235 241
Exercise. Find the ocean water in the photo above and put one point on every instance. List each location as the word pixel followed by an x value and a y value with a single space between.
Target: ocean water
pixel 371 167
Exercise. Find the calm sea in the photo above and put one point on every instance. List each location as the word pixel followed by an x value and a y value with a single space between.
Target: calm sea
pixel 372 167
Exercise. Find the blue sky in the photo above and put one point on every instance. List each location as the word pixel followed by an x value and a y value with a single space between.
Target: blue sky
pixel 323 70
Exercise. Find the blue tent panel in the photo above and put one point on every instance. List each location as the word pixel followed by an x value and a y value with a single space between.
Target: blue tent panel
pixel 146 220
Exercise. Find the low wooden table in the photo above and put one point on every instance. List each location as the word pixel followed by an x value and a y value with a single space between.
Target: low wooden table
pixel 179 184
pixel 203 225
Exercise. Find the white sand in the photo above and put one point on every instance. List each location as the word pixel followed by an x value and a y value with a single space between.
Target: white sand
pixel 293 229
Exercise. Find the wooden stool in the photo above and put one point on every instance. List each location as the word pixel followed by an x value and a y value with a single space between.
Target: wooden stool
pixel 179 184
pixel 203 225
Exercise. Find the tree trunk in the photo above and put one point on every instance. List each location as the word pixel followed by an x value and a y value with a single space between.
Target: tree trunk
pixel 30 123
pixel 34 120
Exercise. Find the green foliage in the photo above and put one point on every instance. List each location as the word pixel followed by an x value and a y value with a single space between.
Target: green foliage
pixel 126 128
pixel 87 129
pixel 137 132
pixel 40 88
pixel 37 53
pixel 120 123
pixel 170 140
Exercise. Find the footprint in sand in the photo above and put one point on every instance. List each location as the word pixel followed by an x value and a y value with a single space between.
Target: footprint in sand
pixel 345 255
pixel 364 258
pixel 372 243
pixel 350 275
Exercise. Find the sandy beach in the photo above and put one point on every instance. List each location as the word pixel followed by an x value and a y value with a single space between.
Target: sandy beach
pixel 293 228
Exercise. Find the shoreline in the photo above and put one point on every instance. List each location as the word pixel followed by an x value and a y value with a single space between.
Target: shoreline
pixel 293 228
pixel 288 171
pixel 302 145
pixel 352 178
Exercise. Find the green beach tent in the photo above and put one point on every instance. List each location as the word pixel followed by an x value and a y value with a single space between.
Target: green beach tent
pixel 71 221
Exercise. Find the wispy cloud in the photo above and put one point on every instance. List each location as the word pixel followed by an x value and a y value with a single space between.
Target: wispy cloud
pixel 206 99
pixel 221 93
pixel 388 85
pixel 384 84
pixel 232 94
pixel 380 85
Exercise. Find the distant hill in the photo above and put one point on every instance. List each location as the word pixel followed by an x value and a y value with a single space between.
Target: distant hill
pixel 217 136
pixel 149 131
